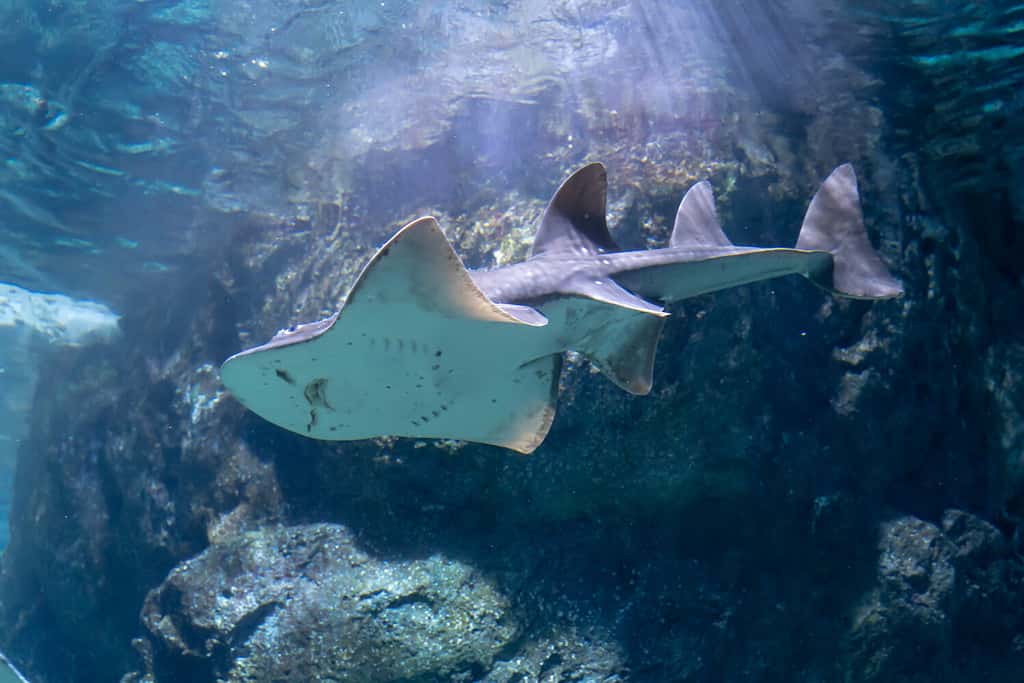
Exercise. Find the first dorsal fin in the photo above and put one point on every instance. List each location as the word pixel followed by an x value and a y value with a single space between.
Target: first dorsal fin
pixel 697 220
pixel 419 260
pixel 574 221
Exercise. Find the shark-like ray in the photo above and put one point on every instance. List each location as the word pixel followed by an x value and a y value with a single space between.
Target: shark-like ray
pixel 425 348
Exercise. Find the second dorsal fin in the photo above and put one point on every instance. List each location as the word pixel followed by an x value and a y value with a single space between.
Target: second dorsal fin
pixel 697 220
pixel 574 221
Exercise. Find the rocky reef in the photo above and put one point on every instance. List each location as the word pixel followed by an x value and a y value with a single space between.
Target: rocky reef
pixel 375 621
pixel 815 489
pixel 31 324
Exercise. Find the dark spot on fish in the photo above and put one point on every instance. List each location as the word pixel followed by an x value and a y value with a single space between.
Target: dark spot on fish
pixel 385 251
pixel 415 423
pixel 419 386
pixel 316 393
pixel 348 343
pixel 494 400
pixel 423 418
pixel 283 374
pixel 413 345
pixel 387 344
pixel 437 353
pixel 401 345
pixel 444 407
pixel 312 421
pixel 434 413
pixel 387 386
pixel 435 366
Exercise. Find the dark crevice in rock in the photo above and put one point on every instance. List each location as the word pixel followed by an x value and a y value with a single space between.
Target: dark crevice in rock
pixel 237 645
pixel 411 599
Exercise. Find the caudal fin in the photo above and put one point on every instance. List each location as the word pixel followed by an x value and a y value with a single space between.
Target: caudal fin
pixel 834 223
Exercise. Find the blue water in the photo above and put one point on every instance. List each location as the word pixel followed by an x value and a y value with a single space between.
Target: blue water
pixel 242 158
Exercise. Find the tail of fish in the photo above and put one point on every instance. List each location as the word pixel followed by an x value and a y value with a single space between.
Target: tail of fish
pixel 834 223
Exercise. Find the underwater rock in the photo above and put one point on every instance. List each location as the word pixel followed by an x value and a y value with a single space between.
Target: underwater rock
pixel 59 319
pixel 1004 385
pixel 306 604
pixel 564 656
pixel 31 324
pixel 908 613
pixel 946 605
